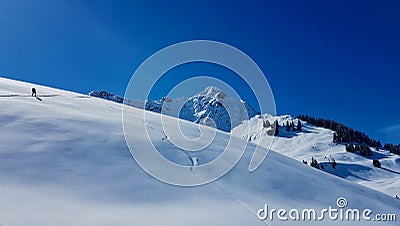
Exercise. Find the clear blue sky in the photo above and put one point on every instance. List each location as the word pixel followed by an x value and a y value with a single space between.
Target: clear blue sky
pixel 333 59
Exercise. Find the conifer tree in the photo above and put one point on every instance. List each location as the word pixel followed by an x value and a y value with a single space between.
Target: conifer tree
pixel 288 127
pixel 276 127
pixel 298 125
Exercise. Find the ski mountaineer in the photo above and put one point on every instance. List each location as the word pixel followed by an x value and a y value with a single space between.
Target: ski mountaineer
pixel 33 92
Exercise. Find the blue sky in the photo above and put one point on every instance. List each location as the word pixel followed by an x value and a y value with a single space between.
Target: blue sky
pixel 332 59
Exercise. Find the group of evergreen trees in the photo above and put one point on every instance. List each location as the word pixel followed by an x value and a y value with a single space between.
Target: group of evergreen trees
pixel 349 136
pixel 395 149
pixel 314 163
pixel 344 134
pixel 363 149
pixel 290 125
pixel 376 163
pixel 275 127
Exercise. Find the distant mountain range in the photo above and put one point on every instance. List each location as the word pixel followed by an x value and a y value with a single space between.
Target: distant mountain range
pixel 209 107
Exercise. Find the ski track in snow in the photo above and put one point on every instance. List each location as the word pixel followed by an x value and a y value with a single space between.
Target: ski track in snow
pixel 235 198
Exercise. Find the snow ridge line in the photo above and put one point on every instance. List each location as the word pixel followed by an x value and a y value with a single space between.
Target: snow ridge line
pixel 43 95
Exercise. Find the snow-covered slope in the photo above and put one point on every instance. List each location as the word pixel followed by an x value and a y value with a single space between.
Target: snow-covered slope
pixel 64 161
pixel 209 107
pixel 316 142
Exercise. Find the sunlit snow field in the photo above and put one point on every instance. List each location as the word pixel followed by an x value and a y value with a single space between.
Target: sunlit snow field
pixel 64 161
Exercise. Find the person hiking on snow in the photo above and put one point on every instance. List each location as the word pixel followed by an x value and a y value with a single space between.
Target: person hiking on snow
pixel 33 92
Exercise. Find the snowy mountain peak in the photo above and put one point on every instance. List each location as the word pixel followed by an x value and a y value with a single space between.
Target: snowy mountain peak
pixel 107 96
pixel 212 91
pixel 210 107
pixel 212 103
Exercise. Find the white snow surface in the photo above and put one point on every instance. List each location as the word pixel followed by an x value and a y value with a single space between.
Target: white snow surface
pixel 64 161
